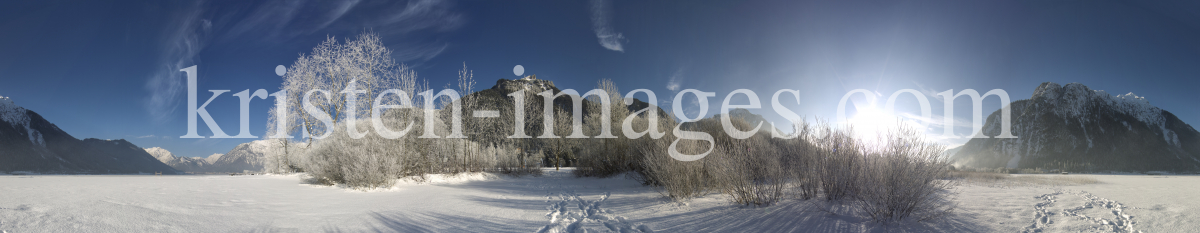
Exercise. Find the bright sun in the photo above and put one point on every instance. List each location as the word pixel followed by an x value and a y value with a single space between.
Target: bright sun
pixel 870 123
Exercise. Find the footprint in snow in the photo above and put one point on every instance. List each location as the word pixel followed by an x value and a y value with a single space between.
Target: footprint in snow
pixel 1119 221
pixel 564 219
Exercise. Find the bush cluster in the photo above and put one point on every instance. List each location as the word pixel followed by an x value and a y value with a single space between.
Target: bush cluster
pixel 895 177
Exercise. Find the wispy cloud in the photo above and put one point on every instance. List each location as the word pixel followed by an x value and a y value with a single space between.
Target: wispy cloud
pixel 146 136
pixel 676 80
pixel 927 91
pixel 199 25
pixel 420 15
pixel 602 25
pixel 938 120
pixel 182 43
pixel 395 21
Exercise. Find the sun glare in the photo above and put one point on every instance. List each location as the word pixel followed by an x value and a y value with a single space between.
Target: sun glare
pixel 872 123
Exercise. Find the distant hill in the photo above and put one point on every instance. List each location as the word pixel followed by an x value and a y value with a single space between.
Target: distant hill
pixel 1075 128
pixel 187 164
pixel 30 143
pixel 751 118
pixel 737 113
pixel 213 158
pixel 951 151
pixel 246 156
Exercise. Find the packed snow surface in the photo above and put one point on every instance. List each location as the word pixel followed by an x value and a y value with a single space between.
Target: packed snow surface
pixel 554 202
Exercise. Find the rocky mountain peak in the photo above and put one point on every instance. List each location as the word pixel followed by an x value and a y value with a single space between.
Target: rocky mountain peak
pixel 529 84
pixel 1077 100
pixel 12 113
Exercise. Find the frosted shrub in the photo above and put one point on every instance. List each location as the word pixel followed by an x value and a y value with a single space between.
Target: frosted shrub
pixel 284 157
pixel 838 164
pixel 509 160
pixel 371 170
pixel 676 179
pixel 368 162
pixel 901 179
pixel 799 157
pixel 748 170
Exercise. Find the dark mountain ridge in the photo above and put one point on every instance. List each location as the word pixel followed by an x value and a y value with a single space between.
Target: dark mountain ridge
pixel 28 142
pixel 1075 128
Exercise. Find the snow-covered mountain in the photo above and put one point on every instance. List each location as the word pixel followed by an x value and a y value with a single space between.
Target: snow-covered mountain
pixel 1073 127
pixel 247 156
pixel 213 158
pixel 29 142
pixel 187 164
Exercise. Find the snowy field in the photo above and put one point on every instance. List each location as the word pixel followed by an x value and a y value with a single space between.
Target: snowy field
pixel 554 202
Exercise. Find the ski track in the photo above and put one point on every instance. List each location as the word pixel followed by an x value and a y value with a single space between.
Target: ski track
pixel 573 213
pixel 1111 217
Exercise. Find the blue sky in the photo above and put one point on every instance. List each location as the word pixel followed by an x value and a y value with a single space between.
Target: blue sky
pixel 105 69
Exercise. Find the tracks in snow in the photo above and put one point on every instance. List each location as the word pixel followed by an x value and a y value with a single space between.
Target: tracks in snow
pixel 1095 212
pixel 572 213
pixel 1042 213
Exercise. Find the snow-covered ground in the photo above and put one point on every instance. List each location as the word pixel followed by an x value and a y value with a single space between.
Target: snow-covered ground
pixel 556 201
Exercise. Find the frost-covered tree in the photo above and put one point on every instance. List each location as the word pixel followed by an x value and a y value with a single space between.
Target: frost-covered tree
pixel 362 66
pixel 466 85
pixel 607 156
pixel 560 148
